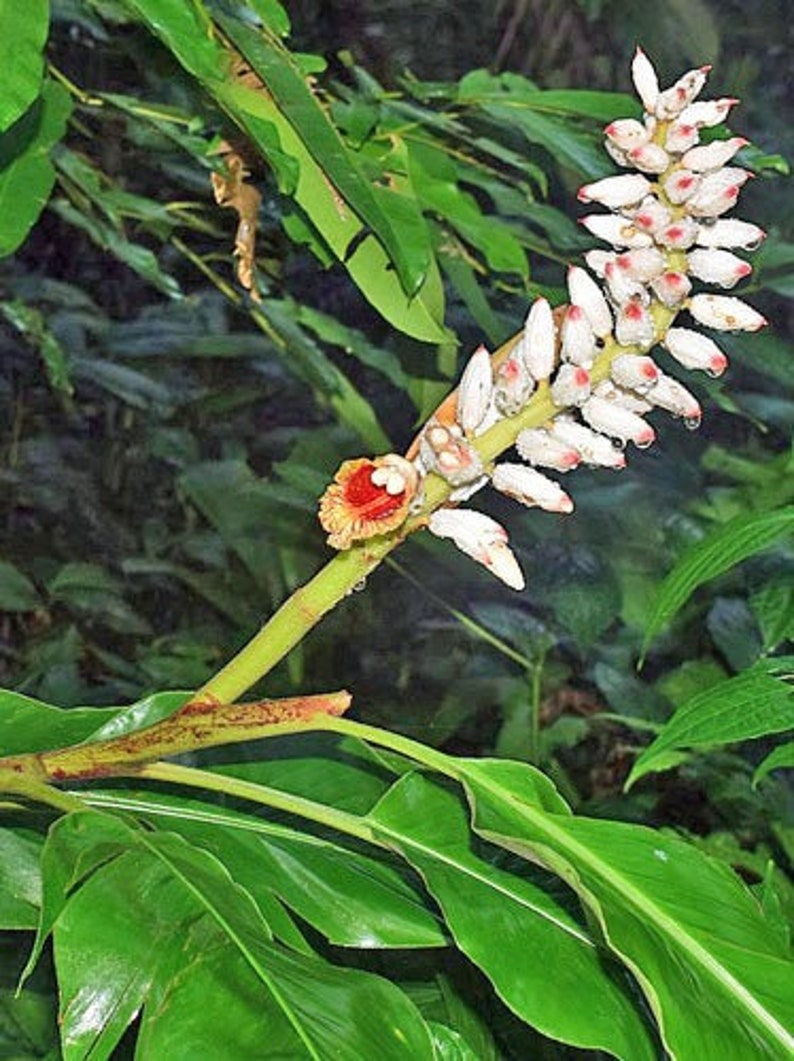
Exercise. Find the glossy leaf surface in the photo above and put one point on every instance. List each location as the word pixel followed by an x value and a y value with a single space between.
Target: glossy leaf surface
pixel 23 34
pixel 26 172
pixel 655 897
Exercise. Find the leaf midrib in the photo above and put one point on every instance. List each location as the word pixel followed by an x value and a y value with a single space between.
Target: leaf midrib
pixel 675 931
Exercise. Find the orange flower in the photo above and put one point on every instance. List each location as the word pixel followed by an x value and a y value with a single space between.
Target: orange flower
pixel 367 497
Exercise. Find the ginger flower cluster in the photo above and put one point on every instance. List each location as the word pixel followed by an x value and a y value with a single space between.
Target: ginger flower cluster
pixel 666 239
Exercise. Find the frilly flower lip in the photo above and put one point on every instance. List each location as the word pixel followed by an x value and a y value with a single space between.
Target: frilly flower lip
pixel 366 498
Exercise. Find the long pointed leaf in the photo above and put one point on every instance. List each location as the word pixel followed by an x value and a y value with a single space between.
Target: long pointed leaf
pixel 715 974
pixel 718 552
pixel 537 955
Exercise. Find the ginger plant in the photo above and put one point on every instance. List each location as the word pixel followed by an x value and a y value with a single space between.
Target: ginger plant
pixel 574 387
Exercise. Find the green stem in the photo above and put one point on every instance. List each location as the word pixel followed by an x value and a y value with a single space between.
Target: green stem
pixel 320 813
pixel 16 784
pixel 295 618
pixel 535 676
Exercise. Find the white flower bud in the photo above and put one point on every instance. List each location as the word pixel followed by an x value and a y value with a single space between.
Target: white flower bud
pixel 681 136
pixel 694 350
pixel 680 235
pixel 571 385
pixel 681 185
pixel 672 101
pixel 615 230
pixel 463 493
pixel 539 341
pixel 615 192
pixel 707 112
pixel 597 260
pixel 650 158
pixel 610 419
pixel 713 155
pixel 481 538
pixel 585 292
pixel 622 288
pixel 671 287
pixel 670 395
pixel 645 80
pixel 730 233
pixel 635 372
pixel 624 399
pixel 594 449
pixel 723 179
pixel 718 192
pixel 578 337
pixel 642 265
pixel 617 154
pixel 475 390
pixel 531 488
pixel 725 313
pixel 715 204
pixel 634 326
pixel 536 446
pixel 514 385
pixel 626 133
pixel 651 215
pixel 718 267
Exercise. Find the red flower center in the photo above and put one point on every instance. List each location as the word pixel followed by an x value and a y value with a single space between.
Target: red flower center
pixel 367 498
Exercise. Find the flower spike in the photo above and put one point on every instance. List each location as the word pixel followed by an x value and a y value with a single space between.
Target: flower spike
pixel 575 386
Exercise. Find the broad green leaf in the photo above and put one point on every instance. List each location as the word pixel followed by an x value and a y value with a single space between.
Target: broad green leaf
pixel 186 33
pixel 17 592
pixel 354 900
pixel 26 172
pixel 449 1045
pixel 20 879
pixel 536 954
pixel 719 551
pixel 28 725
pixel 781 758
pixel 23 34
pixel 137 935
pixel 715 974
pixel 301 108
pixel 752 704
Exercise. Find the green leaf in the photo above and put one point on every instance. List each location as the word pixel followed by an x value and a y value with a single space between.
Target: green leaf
pixel 17 592
pixel 354 900
pixel 133 926
pixel 106 236
pixel 536 954
pixel 20 879
pixel 23 34
pixel 26 172
pixel 781 758
pixel 28 725
pixel 753 704
pixel 718 552
pixel 30 323
pixel 301 108
pixel 685 925
pixel 186 32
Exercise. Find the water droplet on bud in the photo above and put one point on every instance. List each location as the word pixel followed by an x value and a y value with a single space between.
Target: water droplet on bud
pixel 644 443
pixel 692 423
